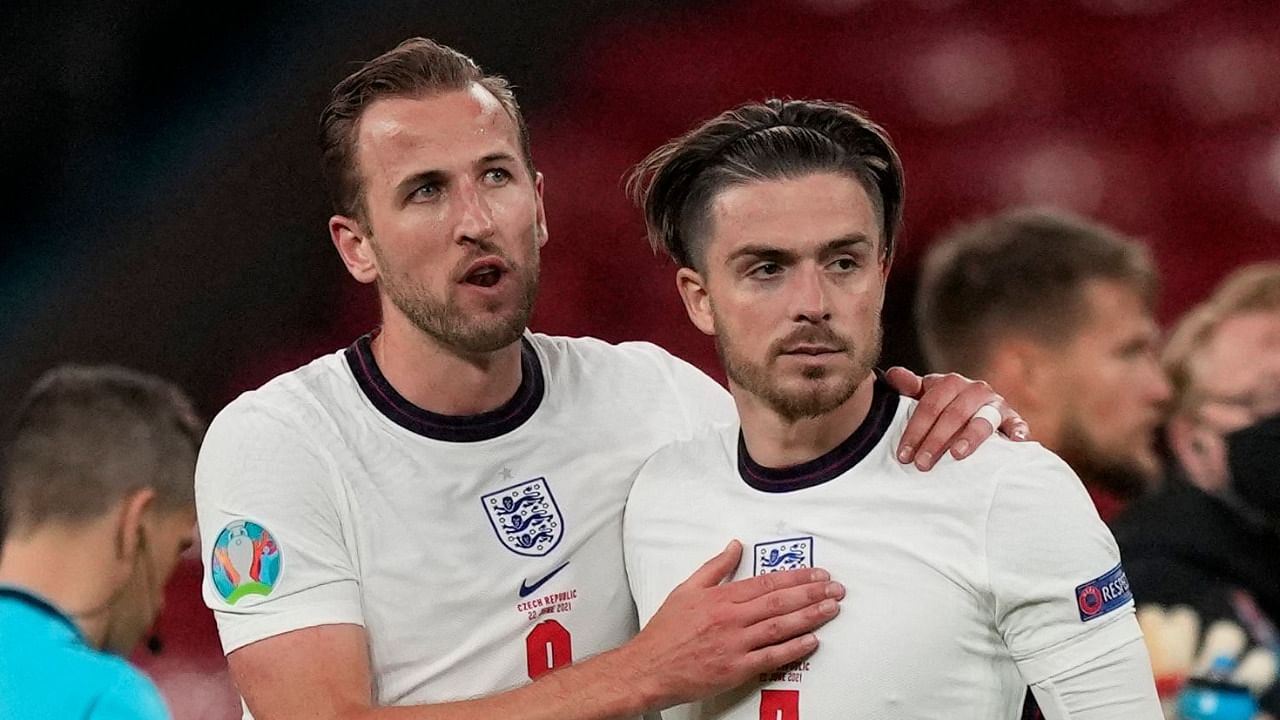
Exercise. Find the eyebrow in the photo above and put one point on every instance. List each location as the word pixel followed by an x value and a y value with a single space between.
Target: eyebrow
pixel 772 253
pixel 418 179
pixel 425 177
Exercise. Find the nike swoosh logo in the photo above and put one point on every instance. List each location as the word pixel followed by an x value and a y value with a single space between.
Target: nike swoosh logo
pixel 527 590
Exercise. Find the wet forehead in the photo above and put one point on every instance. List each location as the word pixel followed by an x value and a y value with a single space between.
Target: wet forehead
pixel 793 213
pixel 399 135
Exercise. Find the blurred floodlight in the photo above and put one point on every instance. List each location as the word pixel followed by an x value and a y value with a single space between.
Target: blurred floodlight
pixel 960 78
pixel 1129 7
pixel 1264 182
pixel 1063 174
pixel 1228 79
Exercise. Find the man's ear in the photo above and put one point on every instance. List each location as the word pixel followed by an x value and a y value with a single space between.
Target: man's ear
pixel 133 514
pixel 355 247
pixel 1195 448
pixel 540 219
pixel 693 291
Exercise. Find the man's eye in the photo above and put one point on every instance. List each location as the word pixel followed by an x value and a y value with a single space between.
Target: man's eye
pixel 429 191
pixel 845 264
pixel 768 269
pixel 497 176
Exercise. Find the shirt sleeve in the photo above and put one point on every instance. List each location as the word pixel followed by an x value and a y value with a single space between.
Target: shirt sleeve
pixel 1116 686
pixel 1061 599
pixel 269 507
pixel 704 401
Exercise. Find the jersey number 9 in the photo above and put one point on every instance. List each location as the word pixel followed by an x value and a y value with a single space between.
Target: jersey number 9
pixel 549 646
pixel 779 705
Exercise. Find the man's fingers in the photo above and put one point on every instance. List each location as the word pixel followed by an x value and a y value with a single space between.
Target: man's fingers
pixel 715 570
pixel 905 381
pixel 939 391
pixel 746 590
pixel 773 657
pixel 1011 423
pixel 789 600
pixel 946 433
pixel 977 430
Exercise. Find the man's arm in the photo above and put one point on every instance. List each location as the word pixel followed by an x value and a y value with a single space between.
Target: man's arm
pixel 946 417
pixel 708 636
pixel 1115 686
pixel 1061 600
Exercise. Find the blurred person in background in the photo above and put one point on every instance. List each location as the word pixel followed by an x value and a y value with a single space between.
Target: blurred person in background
pixel 1056 313
pixel 1210 539
pixel 431 518
pixel 97 498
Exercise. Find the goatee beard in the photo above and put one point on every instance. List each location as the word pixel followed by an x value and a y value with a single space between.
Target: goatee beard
pixel 825 392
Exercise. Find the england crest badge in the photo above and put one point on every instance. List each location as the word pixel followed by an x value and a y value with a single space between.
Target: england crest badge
pixel 778 555
pixel 525 517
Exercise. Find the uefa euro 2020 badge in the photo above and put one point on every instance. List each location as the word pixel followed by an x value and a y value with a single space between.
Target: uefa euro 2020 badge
pixel 245 561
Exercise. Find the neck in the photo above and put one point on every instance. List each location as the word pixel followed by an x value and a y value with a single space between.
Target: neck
pixel 442 379
pixel 777 441
pixel 65 565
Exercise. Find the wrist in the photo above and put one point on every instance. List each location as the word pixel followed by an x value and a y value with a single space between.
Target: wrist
pixel 628 668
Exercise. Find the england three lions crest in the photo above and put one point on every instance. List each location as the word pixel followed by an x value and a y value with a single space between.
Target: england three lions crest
pixel 778 555
pixel 525 517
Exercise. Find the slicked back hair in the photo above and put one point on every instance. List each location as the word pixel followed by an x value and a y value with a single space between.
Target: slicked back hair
pixel 415 68
pixel 771 140
pixel 1022 273
pixel 84 438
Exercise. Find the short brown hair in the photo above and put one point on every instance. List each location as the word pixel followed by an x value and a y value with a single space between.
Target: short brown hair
pixel 1253 288
pixel 769 140
pixel 1023 272
pixel 416 67
pixel 85 437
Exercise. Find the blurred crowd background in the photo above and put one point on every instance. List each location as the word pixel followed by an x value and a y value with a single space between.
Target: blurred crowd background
pixel 167 211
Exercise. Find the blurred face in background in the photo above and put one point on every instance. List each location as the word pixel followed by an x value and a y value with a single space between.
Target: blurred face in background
pixel 454 218
pixel 1235 380
pixel 792 285
pixel 1110 390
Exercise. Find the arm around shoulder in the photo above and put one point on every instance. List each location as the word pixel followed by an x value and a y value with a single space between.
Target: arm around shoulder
pixel 323 672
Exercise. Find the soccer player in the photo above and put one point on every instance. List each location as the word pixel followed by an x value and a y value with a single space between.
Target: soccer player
pixel 432 516
pixel 97 508
pixel 1057 313
pixel 962 588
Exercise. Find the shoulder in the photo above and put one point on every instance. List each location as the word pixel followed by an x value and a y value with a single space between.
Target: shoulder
pixel 127 694
pixel 709 445
pixel 712 448
pixel 321 382
pixel 579 353
pixel 998 460
pixel 301 401
pixel 640 374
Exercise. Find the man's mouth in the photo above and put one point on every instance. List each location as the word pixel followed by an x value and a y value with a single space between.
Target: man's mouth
pixel 810 350
pixel 486 272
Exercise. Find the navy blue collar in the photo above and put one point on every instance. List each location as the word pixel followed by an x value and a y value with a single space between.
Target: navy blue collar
pixel 833 463
pixel 449 428
pixel 44 607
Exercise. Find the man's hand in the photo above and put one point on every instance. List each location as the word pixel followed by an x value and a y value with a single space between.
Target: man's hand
pixel 946 417
pixel 709 637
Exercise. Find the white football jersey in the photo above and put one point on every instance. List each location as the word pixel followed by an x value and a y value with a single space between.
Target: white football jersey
pixel 478 552
pixel 965 584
